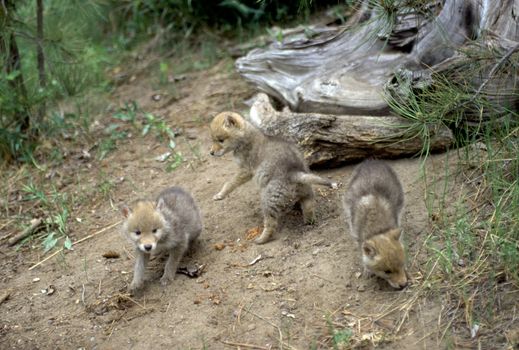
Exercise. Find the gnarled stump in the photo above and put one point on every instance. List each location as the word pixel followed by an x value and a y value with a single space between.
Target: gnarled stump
pixel 335 83
pixel 334 139
pixel 345 70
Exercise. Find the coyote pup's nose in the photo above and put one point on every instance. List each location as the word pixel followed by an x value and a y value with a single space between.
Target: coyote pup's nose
pixel 148 247
pixel 211 152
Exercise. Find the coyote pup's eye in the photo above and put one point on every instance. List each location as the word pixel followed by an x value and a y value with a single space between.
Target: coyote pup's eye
pixel 154 230
pixel 138 232
pixel 220 140
pixel 387 272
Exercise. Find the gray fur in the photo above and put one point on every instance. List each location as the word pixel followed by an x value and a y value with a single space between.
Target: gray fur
pixel 277 166
pixel 177 221
pixel 378 184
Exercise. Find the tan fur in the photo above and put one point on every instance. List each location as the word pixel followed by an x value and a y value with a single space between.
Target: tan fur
pixel 168 224
pixel 373 203
pixel 277 167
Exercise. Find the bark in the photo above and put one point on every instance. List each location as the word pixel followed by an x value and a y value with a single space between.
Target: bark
pixel 13 63
pixel 40 55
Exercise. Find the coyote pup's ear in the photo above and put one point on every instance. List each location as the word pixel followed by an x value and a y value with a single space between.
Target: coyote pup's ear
pixel 125 210
pixel 230 122
pixel 369 249
pixel 160 204
pixel 395 233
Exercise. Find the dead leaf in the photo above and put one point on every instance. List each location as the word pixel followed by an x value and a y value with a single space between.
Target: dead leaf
pixel 215 299
pixel 219 246
pixel 111 255
pixel 385 323
pixel 253 233
pixel 191 271
pixel 51 289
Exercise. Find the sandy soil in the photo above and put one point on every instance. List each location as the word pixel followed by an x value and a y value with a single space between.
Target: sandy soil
pixel 300 291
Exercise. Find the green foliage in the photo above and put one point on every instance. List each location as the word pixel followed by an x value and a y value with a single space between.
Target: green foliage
pixel 473 244
pixel 55 208
pixel 340 338
pixel 82 39
pixel 185 17
pixel 147 123
pixel 74 63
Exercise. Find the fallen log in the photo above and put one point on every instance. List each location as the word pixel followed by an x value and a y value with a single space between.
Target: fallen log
pixel 328 140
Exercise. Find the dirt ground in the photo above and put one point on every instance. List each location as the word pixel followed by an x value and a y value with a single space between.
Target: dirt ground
pixel 299 291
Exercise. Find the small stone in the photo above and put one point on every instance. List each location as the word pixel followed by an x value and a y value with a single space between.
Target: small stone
pixel 219 246
pixel 36 279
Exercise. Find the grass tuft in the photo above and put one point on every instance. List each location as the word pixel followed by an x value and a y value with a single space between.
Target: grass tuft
pixel 473 246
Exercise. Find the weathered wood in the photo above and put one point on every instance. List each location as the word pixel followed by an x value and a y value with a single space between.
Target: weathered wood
pixel 334 139
pixel 342 73
pixel 344 70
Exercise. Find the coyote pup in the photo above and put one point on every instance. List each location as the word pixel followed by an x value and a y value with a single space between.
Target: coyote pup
pixel 373 203
pixel 170 224
pixel 277 166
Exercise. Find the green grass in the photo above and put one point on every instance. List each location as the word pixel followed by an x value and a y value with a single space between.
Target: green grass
pixel 54 206
pixel 473 243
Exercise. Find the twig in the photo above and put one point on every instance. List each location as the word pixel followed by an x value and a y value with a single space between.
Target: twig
pixel 324 279
pixel 83 294
pixel 238 317
pixel 77 242
pixel 5 296
pixel 35 223
pixel 283 344
pixel 244 345
pixel 491 74
pixel 132 300
pixel 496 67
pixel 112 326
pixel 5 225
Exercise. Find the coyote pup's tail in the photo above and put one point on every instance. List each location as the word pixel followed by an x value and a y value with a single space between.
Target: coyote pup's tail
pixel 311 179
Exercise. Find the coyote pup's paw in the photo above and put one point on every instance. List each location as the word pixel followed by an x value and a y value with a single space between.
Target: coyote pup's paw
pixel 165 280
pixel 135 289
pixel 218 197
pixel 367 273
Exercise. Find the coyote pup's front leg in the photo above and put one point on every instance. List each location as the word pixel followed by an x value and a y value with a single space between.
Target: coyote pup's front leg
pixel 238 180
pixel 171 266
pixel 138 272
